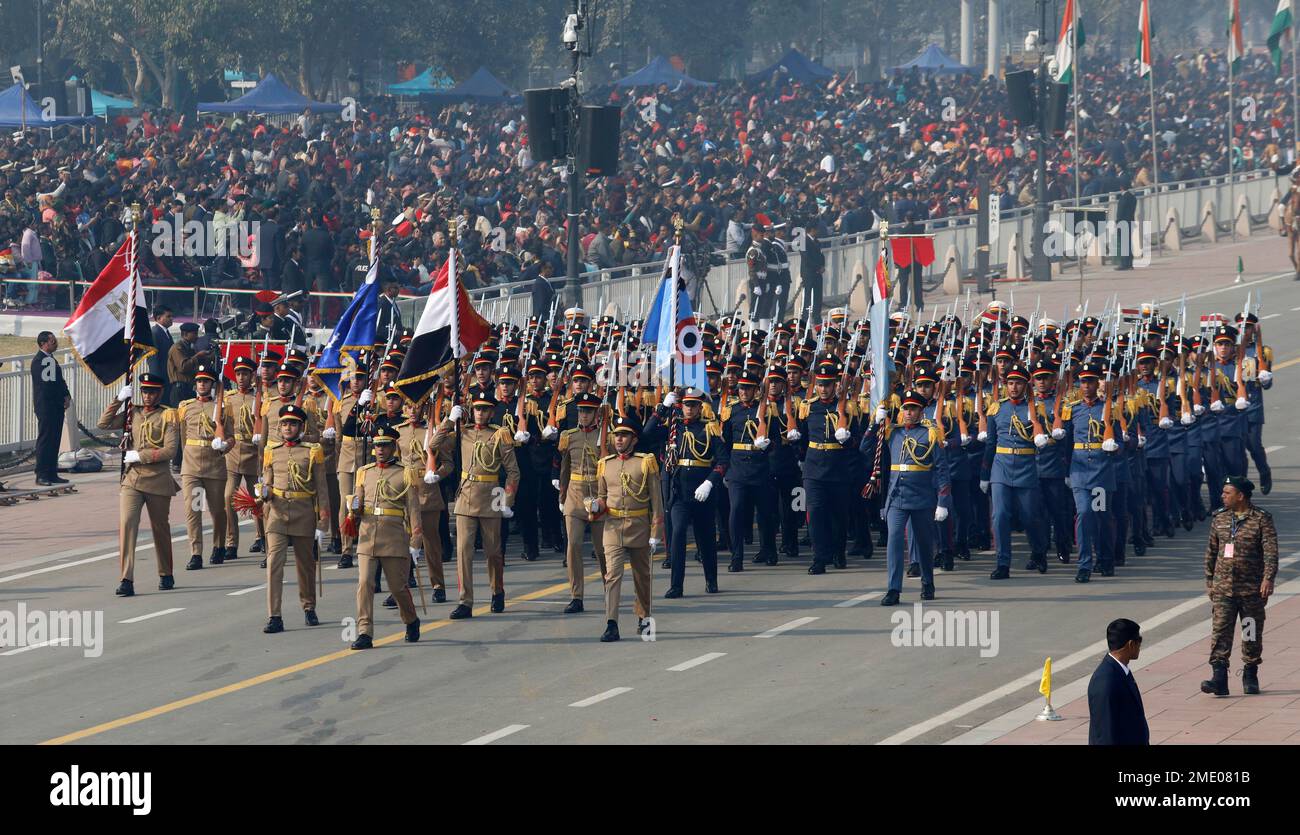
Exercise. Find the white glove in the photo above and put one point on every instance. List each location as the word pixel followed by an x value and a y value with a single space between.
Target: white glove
pixel 555 482
pixel 1109 445
pixel 670 400
pixel 561 507
pixel 1266 377
pixel 982 437
pixel 1166 423
pixel 549 432
pixel 762 443
pixel 1125 436
pixel 1242 403
pixel 1040 441
pixel 965 440
pixel 842 434
pixel 881 414
pixel 366 396
pixel 456 413
pixel 124 394
pixel 1187 419
pixel 507 512
pixel 320 540
pixel 329 434
pixel 1142 441
pixel 132 456
pixel 522 437
pixel 1216 406
pixel 1057 433
pixel 702 492
pixel 416 556
pixel 1198 409
pixel 218 445
pixel 654 545
pixel 793 435
pixel 984 487
pixel 257 439
pixel 940 513
pixel 430 477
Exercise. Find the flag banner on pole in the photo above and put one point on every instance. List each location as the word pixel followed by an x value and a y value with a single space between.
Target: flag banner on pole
pixel 1145 59
pixel 354 333
pixel 449 328
pixel 678 341
pixel 880 285
pixel 1282 20
pixel 1236 47
pixel 1068 42
pixel 881 367
pixel 98 328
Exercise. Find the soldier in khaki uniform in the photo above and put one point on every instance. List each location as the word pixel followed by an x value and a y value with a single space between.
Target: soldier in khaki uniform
pixel 243 461
pixel 385 510
pixel 317 404
pixel 294 496
pixel 148 482
pixel 628 494
pixel 578 453
pixel 1240 569
pixel 428 493
pixel 203 466
pixel 347 417
pixel 286 388
pixel 485 450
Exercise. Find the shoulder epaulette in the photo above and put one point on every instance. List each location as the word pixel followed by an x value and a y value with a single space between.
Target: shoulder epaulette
pixel 649 464
pixel 1067 411
pixel 725 414
pixel 316 454
pixel 713 428
pixel 609 457
pixel 993 408
pixel 803 409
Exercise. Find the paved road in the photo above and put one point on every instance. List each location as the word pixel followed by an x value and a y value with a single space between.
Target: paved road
pixel 779 656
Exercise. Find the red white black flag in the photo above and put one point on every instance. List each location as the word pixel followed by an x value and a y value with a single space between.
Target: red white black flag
pixel 108 340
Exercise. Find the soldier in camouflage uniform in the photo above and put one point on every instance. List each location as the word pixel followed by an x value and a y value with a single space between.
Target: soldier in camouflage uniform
pixel 1240 567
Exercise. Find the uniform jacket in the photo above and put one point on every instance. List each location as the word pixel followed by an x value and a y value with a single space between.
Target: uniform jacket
pixel 385 503
pixel 197 421
pixel 156 436
pixel 244 456
pixel 629 490
pixel 1115 712
pixel 485 454
pixel 577 458
pixel 1254 557
pixel 1010 428
pixel 295 474
pixel 825 458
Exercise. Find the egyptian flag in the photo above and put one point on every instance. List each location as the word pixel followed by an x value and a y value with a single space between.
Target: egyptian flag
pixel 449 328
pixel 100 329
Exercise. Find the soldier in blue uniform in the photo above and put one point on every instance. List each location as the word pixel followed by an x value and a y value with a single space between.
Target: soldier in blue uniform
pixel 1231 410
pixel 1010 472
pixel 1156 451
pixel 831 463
pixel 784 461
pixel 1052 462
pixel 1091 466
pixel 749 473
pixel 1256 366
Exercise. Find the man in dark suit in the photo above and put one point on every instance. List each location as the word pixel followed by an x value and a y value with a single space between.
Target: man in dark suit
pixel 1115 714
pixel 389 313
pixel 50 398
pixel 162 343
pixel 1125 214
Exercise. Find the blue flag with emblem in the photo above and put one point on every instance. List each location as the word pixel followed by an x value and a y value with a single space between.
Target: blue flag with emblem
pixel 354 333
pixel 672 329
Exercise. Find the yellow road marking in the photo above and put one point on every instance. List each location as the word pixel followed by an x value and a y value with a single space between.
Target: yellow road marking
pixel 1287 364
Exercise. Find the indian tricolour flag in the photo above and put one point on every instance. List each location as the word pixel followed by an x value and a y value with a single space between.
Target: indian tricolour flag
pixel 1282 20
pixel 1236 47
pixel 1144 39
pixel 1068 43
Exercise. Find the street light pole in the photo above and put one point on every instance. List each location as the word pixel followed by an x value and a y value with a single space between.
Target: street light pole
pixel 573 286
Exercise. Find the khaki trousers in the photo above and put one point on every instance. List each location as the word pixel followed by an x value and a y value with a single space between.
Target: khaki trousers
pixel 336 499
pixel 277 550
pixel 431 542
pixel 573 529
pixel 395 571
pixel 131 503
pixel 640 559
pixel 490 529
pixel 233 481
pixel 197 492
pixel 346 483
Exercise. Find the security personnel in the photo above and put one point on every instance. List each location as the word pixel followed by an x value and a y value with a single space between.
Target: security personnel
pixel 244 460
pixel 348 420
pixel 148 483
pixel 385 509
pixel 695 461
pixel 1240 569
pixel 429 498
pixel 1091 466
pixel 203 465
pixel 919 493
pixel 628 498
pixel 747 437
pixel 831 464
pixel 577 457
pixel 1010 471
pixel 481 501
pixel 294 496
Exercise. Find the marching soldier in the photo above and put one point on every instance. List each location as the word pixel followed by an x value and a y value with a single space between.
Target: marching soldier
pixel 429 499
pixel 1010 471
pixel 628 496
pixel 831 464
pixel 1230 409
pixel 481 503
pixel 203 465
pixel 1093 452
pixel 243 462
pixel 746 435
pixel 317 403
pixel 577 458
pixel 294 496
pixel 1240 569
pixel 1052 463
pixel 1257 371
pixel 786 476
pixel 385 512
pixel 347 420
pixel 148 482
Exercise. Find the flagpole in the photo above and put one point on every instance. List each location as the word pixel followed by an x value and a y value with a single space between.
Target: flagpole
pixel 1074 82
pixel 674 259
pixel 128 332
pixel 1233 23
pixel 1155 152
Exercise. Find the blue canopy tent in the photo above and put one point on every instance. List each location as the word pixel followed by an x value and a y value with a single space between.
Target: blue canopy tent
pixel 660 71
pixel 933 60
pixel 271 95
pixel 101 103
pixel 794 64
pixel 18 110
pixel 429 81
pixel 481 86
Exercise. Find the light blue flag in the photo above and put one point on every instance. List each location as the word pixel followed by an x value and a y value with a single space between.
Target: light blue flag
pixel 881 366
pixel 354 333
pixel 687 361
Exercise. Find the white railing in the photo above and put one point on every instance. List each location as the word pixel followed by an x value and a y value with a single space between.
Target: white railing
pixel 17 417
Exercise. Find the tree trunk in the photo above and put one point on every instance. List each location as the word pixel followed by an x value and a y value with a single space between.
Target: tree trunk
pixel 137 86
pixel 169 80
pixel 304 67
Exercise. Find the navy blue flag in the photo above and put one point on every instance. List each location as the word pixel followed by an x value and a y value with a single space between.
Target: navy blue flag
pixel 354 333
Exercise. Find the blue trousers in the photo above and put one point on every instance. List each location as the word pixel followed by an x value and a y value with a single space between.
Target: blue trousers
pixel 919 527
pixel 828 503
pixel 1232 451
pixel 1255 446
pixel 1158 492
pixel 698 517
pixel 1056 498
pixel 1027 502
pixel 1212 459
pixel 1119 510
pixel 745 500
pixel 1089 529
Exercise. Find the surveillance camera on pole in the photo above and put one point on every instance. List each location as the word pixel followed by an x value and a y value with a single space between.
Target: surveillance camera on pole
pixel 1032 41
pixel 570 36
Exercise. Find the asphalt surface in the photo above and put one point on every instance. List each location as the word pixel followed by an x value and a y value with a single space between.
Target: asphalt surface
pixel 778 657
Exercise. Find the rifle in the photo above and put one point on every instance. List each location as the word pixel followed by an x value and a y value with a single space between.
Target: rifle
pixel 1241 349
